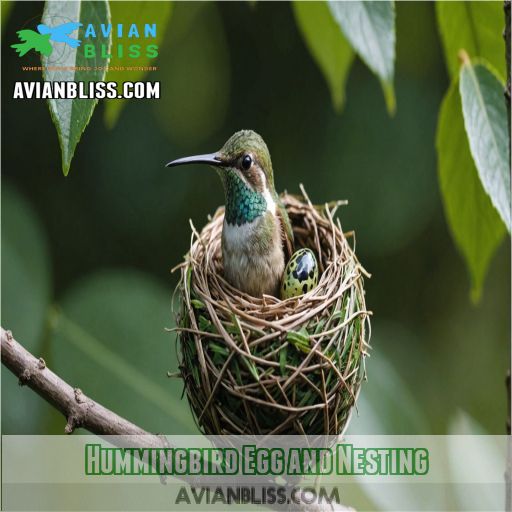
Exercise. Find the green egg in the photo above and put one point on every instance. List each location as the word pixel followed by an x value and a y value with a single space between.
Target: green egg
pixel 300 275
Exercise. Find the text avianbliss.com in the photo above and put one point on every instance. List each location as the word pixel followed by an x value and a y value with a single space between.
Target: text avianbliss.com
pixel 68 90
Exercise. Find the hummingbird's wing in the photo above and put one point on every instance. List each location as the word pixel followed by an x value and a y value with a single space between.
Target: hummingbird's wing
pixel 286 229
pixel 66 28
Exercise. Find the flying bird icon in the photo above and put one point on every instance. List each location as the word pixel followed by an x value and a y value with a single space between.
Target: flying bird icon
pixel 32 40
pixel 60 33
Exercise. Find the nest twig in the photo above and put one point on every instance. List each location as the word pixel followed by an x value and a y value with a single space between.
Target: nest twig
pixel 263 365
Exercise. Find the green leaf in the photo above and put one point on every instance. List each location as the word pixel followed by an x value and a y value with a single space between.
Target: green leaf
pixel 370 28
pixel 252 368
pixel 110 341
pixel 475 224
pixel 485 120
pixel 282 359
pixel 218 349
pixel 327 45
pixel 197 304
pixel 127 12
pixel 206 325
pixel 71 116
pixel 476 27
pixel 300 340
pixel 26 291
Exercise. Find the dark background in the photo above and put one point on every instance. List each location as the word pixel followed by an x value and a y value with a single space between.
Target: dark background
pixel 86 258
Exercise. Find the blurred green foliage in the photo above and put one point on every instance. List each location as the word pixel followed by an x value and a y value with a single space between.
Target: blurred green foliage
pixel 26 293
pixel 125 12
pixel 108 338
pixel 196 59
pixel 110 232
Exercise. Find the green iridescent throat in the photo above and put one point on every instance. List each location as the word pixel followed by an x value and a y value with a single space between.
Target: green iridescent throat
pixel 242 203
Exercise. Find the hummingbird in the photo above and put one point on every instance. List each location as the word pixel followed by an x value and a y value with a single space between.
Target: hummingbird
pixel 257 237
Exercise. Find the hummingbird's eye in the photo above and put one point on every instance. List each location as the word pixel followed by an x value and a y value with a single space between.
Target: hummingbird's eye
pixel 246 162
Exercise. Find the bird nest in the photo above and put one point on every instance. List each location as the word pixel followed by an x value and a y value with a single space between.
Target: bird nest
pixel 269 366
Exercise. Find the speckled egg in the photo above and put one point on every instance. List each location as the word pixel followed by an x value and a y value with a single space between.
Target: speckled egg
pixel 300 275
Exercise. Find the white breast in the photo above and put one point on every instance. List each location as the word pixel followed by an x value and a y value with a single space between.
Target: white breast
pixel 236 237
pixel 248 265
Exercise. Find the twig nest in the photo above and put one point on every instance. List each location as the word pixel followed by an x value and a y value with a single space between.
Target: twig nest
pixel 270 366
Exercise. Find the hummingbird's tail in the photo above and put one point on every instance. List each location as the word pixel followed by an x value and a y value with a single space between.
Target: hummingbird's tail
pixel 21 48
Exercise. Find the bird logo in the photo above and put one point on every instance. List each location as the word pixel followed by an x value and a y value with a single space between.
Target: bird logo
pixel 40 40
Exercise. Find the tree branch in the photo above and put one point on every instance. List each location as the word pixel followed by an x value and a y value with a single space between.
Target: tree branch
pixel 82 411
pixel 79 410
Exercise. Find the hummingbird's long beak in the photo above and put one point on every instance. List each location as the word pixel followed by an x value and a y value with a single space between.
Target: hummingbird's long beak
pixel 210 159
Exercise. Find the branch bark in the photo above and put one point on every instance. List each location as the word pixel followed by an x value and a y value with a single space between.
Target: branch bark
pixel 81 411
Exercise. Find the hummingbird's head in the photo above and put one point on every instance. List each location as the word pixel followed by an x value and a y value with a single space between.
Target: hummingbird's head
pixel 244 156
pixel 246 153
pixel 244 166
